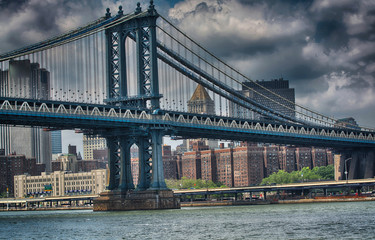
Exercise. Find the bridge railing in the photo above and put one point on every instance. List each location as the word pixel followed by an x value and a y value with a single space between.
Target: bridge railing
pixel 104 112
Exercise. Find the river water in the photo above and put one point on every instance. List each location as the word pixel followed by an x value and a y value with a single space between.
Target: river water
pixel 348 220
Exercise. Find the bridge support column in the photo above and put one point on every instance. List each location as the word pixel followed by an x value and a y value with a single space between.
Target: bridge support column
pixel 360 163
pixel 113 163
pixel 126 179
pixel 158 181
pixel 354 165
pixel 144 177
pixel 370 165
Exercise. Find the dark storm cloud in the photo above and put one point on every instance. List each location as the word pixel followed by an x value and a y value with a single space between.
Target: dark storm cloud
pixel 247 28
pixel 24 22
pixel 326 48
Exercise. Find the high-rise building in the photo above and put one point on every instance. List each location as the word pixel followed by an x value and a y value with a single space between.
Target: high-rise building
pixel 191 165
pixel 91 143
pixel 56 142
pixel 319 157
pixel 201 103
pixel 208 165
pixel 271 159
pixel 282 101
pixel 288 158
pixel 248 166
pixel 348 122
pixel 72 149
pixel 303 158
pixel 65 162
pixel 224 166
pixel 11 165
pixel 24 79
pixel 169 163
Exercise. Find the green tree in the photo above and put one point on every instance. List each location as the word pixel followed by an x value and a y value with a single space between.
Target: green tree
pixel 282 177
pixel 3 195
pixel 325 172
pixel 186 183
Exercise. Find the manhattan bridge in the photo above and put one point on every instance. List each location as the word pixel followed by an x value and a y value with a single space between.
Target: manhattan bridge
pixel 128 78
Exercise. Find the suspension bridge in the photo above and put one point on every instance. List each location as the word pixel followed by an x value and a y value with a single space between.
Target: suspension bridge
pixel 129 78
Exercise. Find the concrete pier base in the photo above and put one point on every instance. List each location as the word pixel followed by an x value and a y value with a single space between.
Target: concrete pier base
pixel 136 200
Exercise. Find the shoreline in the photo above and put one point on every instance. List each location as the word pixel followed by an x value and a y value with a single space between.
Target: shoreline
pixel 222 203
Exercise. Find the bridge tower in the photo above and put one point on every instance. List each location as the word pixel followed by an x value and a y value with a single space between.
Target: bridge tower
pixel 151 191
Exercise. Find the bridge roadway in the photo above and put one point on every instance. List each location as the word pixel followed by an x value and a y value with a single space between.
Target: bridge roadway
pixel 356 183
pixel 99 119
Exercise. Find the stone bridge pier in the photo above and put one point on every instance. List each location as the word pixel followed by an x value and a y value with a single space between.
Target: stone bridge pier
pixel 354 164
pixel 151 191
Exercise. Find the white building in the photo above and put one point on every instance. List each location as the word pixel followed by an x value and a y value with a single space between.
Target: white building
pixel 91 143
pixel 60 183
pixel 66 162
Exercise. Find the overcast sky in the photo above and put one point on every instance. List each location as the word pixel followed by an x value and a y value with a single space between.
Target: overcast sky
pixel 325 48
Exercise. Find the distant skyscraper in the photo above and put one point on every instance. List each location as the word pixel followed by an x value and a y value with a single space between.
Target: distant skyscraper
pixel 56 142
pixel 348 122
pixel 256 91
pixel 91 143
pixel 201 103
pixel 24 79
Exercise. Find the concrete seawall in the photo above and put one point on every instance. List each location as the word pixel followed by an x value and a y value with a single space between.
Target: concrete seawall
pixel 223 203
pixel 327 199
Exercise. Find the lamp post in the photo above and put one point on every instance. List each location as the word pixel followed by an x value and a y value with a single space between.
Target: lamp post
pixel 7 198
pixel 346 169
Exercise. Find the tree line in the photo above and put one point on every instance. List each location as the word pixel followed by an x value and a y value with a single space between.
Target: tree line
pixel 306 174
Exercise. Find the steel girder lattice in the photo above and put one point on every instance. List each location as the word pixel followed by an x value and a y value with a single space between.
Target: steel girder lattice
pixel 145 154
pixel 145 59
pixel 114 162
pixel 113 41
pixel 143 31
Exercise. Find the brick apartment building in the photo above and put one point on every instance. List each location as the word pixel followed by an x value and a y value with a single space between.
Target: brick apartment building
pixel 288 158
pixel 271 159
pixel 224 166
pixel 208 165
pixel 191 165
pixel 169 163
pixel 12 165
pixel 303 158
pixel 248 164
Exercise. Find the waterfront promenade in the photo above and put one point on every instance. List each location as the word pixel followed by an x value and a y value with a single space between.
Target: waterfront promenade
pixel 306 192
